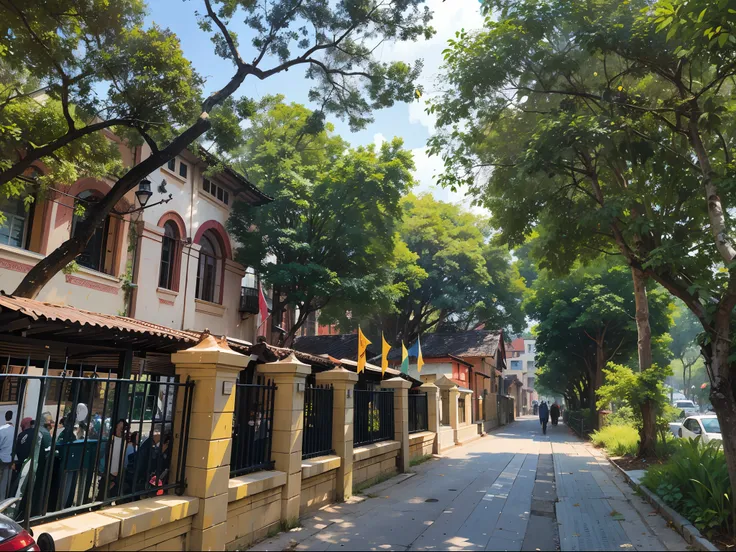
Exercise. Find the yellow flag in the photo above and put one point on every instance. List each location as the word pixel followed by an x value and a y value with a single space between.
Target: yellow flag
pixel 362 346
pixel 420 360
pixel 404 359
pixel 385 348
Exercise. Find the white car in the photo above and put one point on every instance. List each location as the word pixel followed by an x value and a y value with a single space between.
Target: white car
pixel 706 427
pixel 688 407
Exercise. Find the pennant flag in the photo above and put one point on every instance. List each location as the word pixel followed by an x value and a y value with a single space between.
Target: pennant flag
pixel 262 306
pixel 404 359
pixel 385 348
pixel 420 360
pixel 413 350
pixel 362 346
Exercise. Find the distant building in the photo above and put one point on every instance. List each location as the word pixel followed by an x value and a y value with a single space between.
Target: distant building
pixel 521 362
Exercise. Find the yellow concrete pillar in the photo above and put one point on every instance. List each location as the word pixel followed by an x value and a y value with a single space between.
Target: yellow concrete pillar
pixel 468 408
pixel 401 417
pixel 454 415
pixel 433 412
pixel 214 368
pixel 288 423
pixel 343 383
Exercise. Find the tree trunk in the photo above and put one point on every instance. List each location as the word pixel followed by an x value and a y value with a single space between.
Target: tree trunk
pixel 600 364
pixel 648 431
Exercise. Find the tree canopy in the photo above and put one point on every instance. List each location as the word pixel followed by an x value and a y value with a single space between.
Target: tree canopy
pixel 142 67
pixel 447 276
pixel 329 235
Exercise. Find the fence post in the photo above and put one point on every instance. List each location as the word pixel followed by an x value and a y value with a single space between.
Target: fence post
pixel 433 413
pixel 214 368
pixel 401 417
pixel 289 375
pixel 454 404
pixel 343 383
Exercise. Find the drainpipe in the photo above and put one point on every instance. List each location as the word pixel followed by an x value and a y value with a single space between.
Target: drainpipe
pixel 133 295
pixel 189 241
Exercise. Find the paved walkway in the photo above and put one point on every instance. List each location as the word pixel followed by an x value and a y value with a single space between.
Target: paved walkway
pixel 512 490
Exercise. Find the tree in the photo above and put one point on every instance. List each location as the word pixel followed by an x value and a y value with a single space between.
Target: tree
pixel 567 124
pixel 585 324
pixel 329 233
pixel 683 345
pixel 334 43
pixel 451 278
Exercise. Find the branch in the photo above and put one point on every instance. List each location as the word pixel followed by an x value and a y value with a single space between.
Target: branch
pixel 226 35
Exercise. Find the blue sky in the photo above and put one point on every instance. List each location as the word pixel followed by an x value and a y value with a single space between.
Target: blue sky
pixel 409 122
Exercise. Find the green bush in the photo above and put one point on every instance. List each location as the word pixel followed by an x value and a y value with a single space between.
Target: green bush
pixel 618 440
pixel 623 415
pixel 694 482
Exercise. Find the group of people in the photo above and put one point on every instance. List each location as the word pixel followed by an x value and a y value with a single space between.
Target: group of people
pixel 545 412
pixel 93 466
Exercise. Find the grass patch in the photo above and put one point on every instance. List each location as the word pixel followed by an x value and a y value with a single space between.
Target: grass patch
pixel 273 531
pixel 380 478
pixel 419 460
pixel 290 524
pixel 618 440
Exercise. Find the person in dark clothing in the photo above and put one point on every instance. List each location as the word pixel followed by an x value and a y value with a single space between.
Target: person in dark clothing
pixel 554 413
pixel 544 416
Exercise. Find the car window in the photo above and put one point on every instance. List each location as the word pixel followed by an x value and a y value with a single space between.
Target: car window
pixel 711 425
pixel 692 425
pixel 685 404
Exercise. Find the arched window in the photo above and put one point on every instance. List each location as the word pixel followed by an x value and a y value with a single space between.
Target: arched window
pixel 169 254
pixel 93 255
pixel 209 270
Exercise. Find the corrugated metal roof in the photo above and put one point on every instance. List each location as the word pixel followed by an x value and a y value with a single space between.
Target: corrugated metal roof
pixel 64 313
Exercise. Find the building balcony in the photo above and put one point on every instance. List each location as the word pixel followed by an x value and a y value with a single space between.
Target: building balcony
pixel 249 300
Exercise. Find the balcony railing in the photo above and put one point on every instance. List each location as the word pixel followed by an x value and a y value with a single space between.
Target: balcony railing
pixel 249 300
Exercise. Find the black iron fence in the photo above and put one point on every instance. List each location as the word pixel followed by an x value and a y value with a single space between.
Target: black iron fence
pixel 373 416
pixel 317 434
pixel 88 439
pixel 418 412
pixel 252 427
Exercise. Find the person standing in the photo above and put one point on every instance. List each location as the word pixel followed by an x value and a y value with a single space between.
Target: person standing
pixel 554 413
pixel 544 416
pixel 7 432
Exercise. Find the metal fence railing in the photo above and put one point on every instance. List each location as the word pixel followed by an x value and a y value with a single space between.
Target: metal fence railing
pixel 418 414
pixel 87 439
pixel 317 434
pixel 461 410
pixel 373 416
pixel 252 427
pixel 581 422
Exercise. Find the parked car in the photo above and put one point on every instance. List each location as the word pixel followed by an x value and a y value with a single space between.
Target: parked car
pixel 706 427
pixel 12 536
pixel 687 408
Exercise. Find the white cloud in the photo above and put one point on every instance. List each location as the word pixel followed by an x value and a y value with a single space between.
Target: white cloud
pixel 378 140
pixel 449 17
pixel 426 171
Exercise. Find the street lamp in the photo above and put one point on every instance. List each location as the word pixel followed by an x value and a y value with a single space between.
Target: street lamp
pixel 144 192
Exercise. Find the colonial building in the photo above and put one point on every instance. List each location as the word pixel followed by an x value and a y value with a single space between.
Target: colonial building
pixel 520 358
pixel 172 263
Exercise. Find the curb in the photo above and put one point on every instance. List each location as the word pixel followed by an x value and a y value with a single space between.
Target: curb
pixel 688 531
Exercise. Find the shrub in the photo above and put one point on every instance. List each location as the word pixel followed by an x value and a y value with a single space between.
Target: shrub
pixel 618 440
pixel 695 483
pixel 623 415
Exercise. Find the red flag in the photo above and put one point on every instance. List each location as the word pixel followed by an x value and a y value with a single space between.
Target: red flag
pixel 262 305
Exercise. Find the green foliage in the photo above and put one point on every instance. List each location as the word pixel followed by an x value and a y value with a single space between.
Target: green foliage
pixel 332 225
pixel 449 277
pixel 618 440
pixel 592 305
pixel 623 386
pixel 623 415
pixel 694 481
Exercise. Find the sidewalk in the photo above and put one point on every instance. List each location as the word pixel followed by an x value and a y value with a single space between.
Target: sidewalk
pixel 514 489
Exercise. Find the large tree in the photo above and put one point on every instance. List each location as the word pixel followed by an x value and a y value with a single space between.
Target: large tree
pixel 586 321
pixel 334 42
pixel 578 123
pixel 447 277
pixel 329 234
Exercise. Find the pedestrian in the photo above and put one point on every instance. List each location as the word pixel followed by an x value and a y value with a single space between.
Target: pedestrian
pixel 544 416
pixel 554 413
pixel 7 432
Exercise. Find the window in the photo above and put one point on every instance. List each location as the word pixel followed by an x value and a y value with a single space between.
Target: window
pixel 183 168
pixel 169 248
pixel 217 192
pixel 172 164
pixel 516 365
pixel 93 255
pixel 530 365
pixel 13 230
pixel 209 268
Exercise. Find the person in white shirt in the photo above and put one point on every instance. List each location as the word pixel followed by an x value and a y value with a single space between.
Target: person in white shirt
pixel 7 432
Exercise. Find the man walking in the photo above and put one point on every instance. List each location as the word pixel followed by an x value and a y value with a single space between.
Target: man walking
pixel 7 432
pixel 544 416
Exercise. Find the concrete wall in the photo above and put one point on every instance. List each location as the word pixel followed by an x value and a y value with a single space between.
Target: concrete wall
pixel 446 438
pixel 375 460
pixel 421 444
pixel 254 507
pixel 319 482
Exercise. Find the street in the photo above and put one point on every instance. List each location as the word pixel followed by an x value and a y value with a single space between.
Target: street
pixel 514 489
